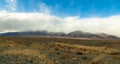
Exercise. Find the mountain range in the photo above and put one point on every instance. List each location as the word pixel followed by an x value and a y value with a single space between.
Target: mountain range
pixel 75 34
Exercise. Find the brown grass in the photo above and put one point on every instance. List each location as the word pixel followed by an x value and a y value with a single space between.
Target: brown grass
pixel 59 50
pixel 28 53
pixel 87 49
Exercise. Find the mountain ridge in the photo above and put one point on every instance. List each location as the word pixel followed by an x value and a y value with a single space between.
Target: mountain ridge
pixel 76 34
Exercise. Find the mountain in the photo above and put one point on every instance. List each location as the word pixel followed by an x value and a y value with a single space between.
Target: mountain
pixel 76 34
pixel 81 34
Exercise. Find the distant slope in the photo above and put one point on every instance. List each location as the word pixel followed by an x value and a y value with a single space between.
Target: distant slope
pixel 90 35
pixel 78 34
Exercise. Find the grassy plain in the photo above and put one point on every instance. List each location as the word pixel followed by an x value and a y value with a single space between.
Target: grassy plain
pixel 54 50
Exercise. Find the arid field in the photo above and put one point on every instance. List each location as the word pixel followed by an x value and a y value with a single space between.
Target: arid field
pixel 55 50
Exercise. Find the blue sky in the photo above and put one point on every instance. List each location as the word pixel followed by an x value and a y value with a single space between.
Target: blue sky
pixel 82 8
pixel 95 16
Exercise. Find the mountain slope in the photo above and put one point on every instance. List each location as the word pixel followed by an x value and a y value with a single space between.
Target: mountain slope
pixel 78 34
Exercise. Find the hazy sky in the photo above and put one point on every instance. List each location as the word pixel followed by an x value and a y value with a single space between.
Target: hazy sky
pixel 96 16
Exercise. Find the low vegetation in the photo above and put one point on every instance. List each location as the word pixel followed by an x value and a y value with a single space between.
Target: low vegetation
pixel 54 50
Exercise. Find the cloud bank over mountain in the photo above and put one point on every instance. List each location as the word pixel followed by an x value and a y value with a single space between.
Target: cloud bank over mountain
pixel 41 21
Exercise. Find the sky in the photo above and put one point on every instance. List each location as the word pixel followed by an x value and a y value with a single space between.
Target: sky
pixel 95 16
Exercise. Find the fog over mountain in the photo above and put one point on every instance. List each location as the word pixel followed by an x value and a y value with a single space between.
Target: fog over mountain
pixel 10 22
pixel 60 16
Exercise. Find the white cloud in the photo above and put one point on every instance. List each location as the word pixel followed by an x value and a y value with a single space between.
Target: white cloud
pixel 12 0
pixel 11 4
pixel 3 11
pixel 44 8
pixel 42 21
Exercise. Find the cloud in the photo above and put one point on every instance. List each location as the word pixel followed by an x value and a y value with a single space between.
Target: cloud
pixel 44 8
pixel 11 4
pixel 42 21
